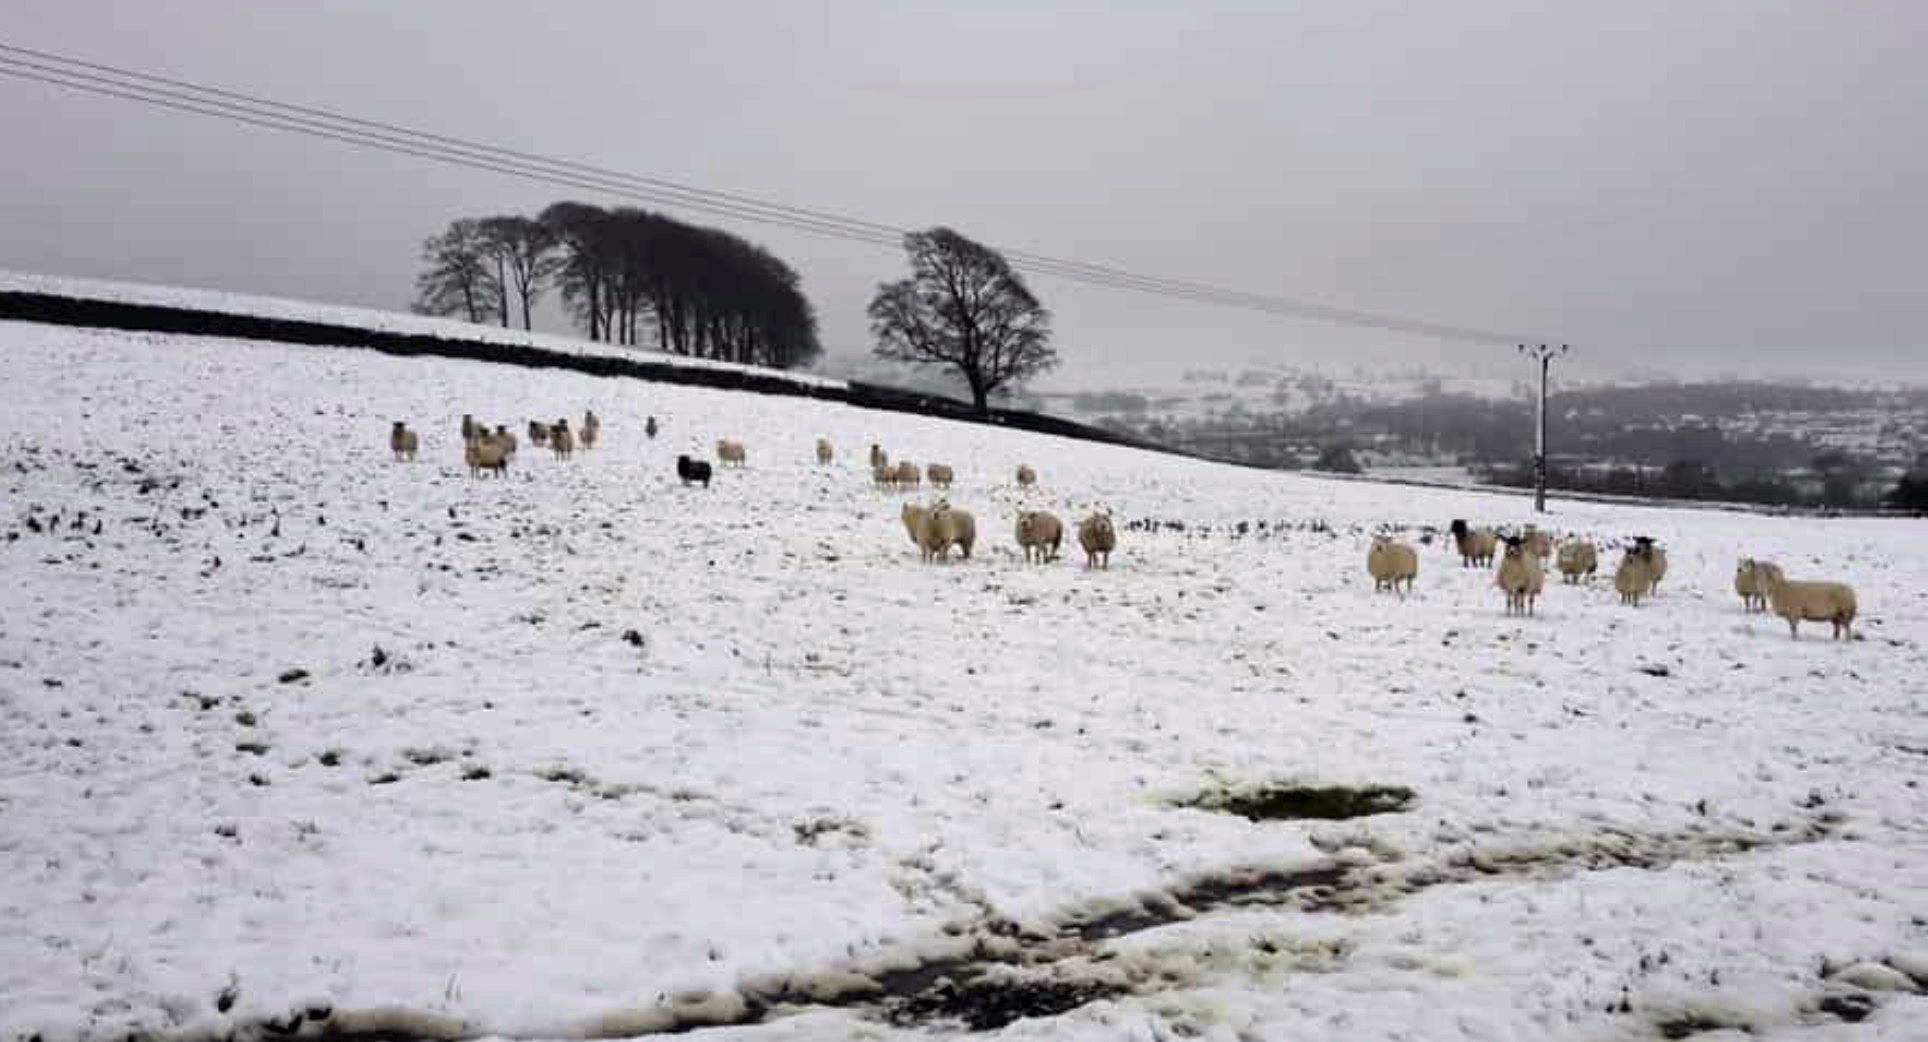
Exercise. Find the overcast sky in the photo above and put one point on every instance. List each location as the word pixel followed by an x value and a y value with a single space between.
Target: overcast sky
pixel 1694 186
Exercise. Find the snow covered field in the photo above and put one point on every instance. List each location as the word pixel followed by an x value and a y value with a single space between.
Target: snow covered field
pixel 299 738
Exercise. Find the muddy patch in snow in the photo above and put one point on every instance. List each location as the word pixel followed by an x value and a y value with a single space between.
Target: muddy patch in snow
pixel 985 976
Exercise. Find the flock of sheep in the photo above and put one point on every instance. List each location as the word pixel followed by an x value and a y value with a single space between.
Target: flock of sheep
pixel 489 452
pixel 1521 575
pixel 935 528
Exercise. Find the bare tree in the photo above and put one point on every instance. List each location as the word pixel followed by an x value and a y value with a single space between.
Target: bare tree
pixel 526 261
pixel 588 269
pixel 963 307
pixel 458 279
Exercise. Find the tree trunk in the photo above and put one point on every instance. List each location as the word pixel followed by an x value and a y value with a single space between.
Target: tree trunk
pixel 502 290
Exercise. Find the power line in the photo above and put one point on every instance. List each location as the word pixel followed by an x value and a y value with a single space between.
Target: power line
pixel 183 96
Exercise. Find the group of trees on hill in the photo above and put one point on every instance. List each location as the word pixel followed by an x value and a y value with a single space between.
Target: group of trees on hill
pixel 623 274
pixel 632 277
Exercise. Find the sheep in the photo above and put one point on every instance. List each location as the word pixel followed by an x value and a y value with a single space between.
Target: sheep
pixel 824 452
pixel 913 518
pixel 1541 543
pixel 1832 602
pixel 1633 579
pixel 1750 582
pixel 469 428
pixel 402 442
pixel 561 442
pixel 1656 563
pixel 693 470
pixel 878 457
pixel 506 440
pixel 1391 563
pixel 649 428
pixel 1099 538
pixel 1041 533
pixel 1026 476
pixel 884 475
pixel 538 433
pixel 1476 547
pixel 943 526
pixel 1578 560
pixel 939 475
pixel 1520 576
pixel 483 453
pixel 591 429
pixel 908 476
pixel 731 452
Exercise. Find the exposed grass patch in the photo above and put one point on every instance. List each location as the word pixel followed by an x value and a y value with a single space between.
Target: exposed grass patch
pixel 564 775
pixel 1303 802
pixel 428 757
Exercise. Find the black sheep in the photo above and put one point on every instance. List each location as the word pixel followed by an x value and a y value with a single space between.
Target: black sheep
pixel 693 470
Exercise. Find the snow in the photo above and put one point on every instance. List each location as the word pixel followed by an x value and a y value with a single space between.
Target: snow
pixel 817 760
pixel 363 318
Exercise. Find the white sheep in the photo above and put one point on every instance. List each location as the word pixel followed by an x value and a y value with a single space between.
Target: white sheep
pixel 1540 543
pixel 538 433
pixel 731 452
pixel 908 476
pixel 1750 582
pixel 591 429
pixel 561 441
pixel 913 518
pixel 1830 602
pixel 878 457
pixel 1520 576
pixel 484 453
pixel 507 440
pixel 402 442
pixel 824 452
pixel 884 474
pixel 1476 547
pixel 939 475
pixel 1040 533
pixel 1026 476
pixel 1579 559
pixel 1391 563
pixel 944 526
pixel 1098 538
pixel 1633 579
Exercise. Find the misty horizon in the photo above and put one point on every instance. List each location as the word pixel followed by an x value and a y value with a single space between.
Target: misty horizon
pixel 1688 191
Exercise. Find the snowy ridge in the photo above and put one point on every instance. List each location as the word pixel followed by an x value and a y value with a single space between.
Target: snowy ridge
pixel 300 740
pixel 364 318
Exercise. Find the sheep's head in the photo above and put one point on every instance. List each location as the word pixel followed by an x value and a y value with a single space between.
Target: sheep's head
pixel 1458 527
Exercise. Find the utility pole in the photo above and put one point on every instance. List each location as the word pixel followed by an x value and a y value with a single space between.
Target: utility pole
pixel 1544 355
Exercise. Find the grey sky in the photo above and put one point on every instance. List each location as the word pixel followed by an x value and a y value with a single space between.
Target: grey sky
pixel 1698 186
